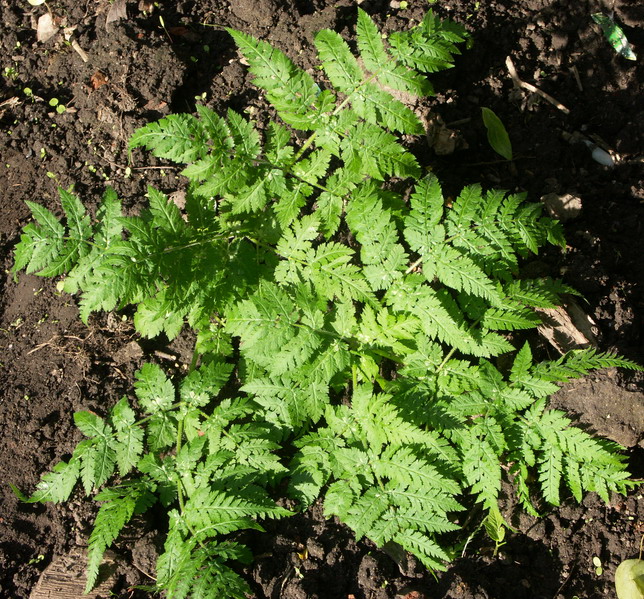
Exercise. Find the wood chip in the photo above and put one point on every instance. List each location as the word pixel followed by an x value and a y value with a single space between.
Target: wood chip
pixel 440 138
pixel 64 578
pixel 563 207
pixel 567 328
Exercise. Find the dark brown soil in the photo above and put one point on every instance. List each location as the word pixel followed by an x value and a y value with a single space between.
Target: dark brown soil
pixel 51 364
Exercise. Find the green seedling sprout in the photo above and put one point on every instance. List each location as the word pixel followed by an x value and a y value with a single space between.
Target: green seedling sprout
pixel 10 73
pixel 495 526
pixel 599 570
pixel 55 103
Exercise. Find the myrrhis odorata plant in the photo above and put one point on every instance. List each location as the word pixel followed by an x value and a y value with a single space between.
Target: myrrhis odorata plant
pixel 353 342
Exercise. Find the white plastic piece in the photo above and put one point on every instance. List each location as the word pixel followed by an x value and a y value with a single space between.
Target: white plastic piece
pixel 602 157
pixel 599 155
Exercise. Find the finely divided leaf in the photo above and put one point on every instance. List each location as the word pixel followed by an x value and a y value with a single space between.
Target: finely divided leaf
pixel 178 137
pixel 291 90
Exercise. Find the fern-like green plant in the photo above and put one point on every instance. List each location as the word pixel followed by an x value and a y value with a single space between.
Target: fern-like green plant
pixel 363 329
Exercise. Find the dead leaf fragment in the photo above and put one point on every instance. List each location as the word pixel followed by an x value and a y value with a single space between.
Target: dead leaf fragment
pixel 179 199
pixel 128 353
pixel 117 11
pixel 98 79
pixel 411 595
pixel 441 139
pixel 46 28
pixel 146 6
pixel 10 103
pixel 184 32
pixel 155 104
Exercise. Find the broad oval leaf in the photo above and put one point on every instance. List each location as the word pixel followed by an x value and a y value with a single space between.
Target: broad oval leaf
pixel 496 134
pixel 629 579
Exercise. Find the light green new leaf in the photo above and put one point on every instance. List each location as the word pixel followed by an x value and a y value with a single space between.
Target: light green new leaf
pixel 178 137
pixel 495 525
pixel 629 579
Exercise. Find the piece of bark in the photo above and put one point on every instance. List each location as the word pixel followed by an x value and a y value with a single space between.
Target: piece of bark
pixel 64 578
pixel 567 327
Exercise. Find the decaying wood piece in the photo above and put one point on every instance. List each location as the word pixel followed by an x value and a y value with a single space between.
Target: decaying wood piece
pixel 64 578
pixel 440 138
pixel 567 327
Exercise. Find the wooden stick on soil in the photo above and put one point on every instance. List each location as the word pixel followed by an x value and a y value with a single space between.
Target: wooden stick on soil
pixel 513 73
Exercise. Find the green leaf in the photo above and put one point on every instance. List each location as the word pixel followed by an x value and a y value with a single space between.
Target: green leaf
pixel 421 225
pixel 339 64
pixel 291 90
pixel 153 389
pixel 629 579
pixel 427 550
pixel 550 469
pixel 376 59
pixel 157 314
pixel 164 211
pixel 108 227
pixel 495 525
pixel 497 136
pixel 77 219
pixel 430 46
pixel 178 137
pixel 57 485
pixel 129 437
pixel 119 507
pixel 91 425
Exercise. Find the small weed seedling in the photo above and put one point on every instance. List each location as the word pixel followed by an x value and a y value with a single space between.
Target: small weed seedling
pixel 55 103
pixel 336 323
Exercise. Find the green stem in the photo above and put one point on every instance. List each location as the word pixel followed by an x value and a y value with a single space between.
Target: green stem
pixel 452 351
pixel 180 426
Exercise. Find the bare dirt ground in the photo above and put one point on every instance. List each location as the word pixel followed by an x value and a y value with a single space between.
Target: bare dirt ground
pixel 163 59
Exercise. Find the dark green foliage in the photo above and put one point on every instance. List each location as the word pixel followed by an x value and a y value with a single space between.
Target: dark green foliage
pixel 351 329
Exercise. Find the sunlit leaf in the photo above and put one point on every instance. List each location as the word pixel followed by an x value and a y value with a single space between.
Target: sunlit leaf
pixel 629 579
pixel 496 134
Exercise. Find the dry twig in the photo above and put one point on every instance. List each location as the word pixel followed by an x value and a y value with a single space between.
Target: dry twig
pixel 518 81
